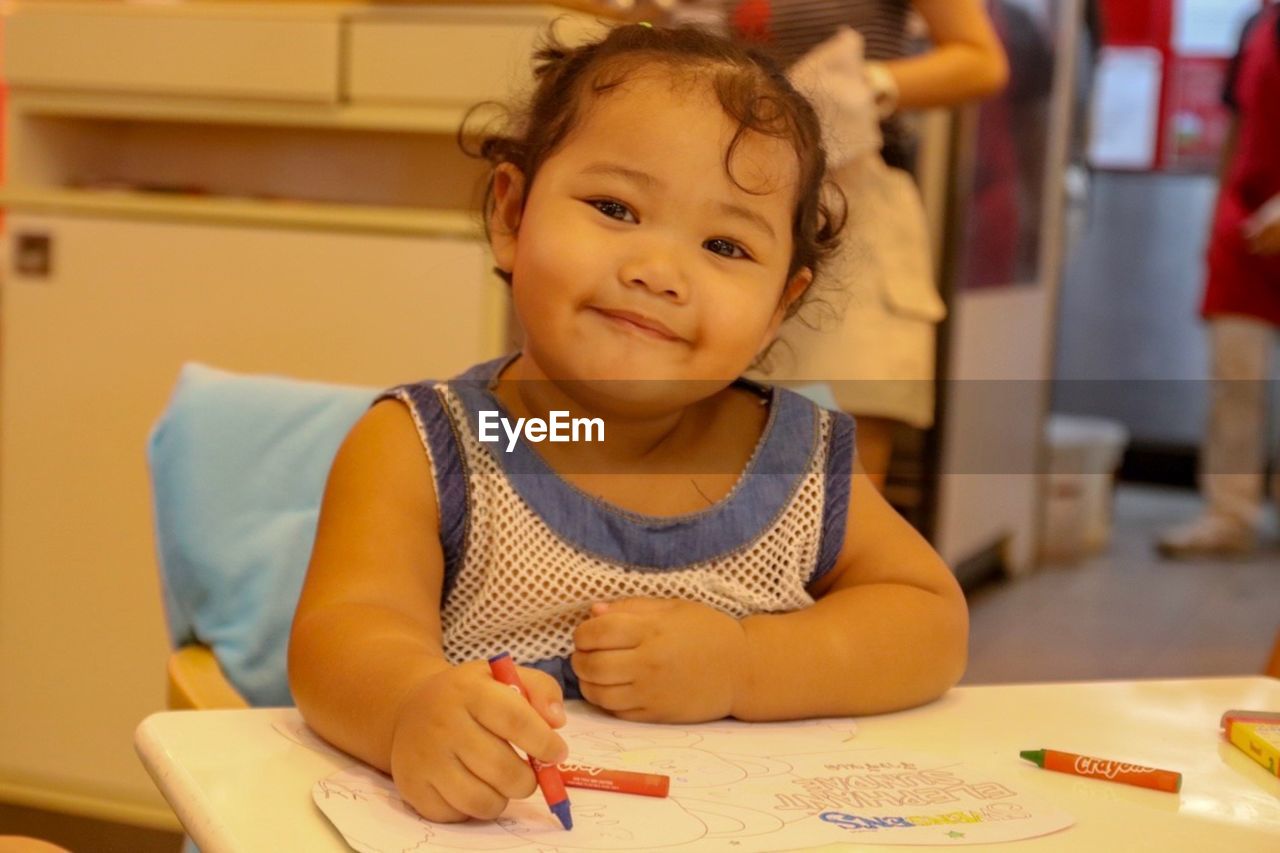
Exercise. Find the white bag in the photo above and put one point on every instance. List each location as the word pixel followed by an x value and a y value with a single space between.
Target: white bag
pixel 832 77
pixel 886 236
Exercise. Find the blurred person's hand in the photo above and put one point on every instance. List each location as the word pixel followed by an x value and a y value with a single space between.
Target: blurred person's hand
pixel 1262 230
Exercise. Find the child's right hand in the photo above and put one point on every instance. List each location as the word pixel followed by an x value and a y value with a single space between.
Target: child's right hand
pixel 451 751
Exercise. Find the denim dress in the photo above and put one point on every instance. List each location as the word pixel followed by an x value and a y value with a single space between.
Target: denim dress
pixel 526 552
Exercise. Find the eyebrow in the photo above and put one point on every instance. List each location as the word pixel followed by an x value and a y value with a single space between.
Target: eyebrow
pixel 649 182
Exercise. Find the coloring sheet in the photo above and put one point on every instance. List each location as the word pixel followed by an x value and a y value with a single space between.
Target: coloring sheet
pixel 734 786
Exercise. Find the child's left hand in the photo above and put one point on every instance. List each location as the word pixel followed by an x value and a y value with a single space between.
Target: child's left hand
pixel 660 660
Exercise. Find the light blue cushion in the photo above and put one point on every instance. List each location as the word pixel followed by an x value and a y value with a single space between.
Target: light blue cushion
pixel 238 467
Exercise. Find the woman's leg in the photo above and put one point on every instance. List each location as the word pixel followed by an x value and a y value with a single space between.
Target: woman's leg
pixel 1234 454
pixel 1231 456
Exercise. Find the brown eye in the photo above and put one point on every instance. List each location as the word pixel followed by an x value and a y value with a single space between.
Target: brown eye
pixel 612 209
pixel 726 248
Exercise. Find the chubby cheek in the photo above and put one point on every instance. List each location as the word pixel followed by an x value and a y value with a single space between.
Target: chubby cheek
pixel 551 271
pixel 740 327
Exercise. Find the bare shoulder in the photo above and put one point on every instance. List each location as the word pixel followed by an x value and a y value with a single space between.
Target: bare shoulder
pixel 383 455
pixel 377 539
pixel 881 547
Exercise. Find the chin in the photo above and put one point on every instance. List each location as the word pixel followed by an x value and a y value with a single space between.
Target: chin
pixel 638 377
pixel 634 390
pixel 634 396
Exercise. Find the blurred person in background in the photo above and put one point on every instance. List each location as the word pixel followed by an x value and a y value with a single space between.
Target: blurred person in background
pixel 854 59
pixel 1241 305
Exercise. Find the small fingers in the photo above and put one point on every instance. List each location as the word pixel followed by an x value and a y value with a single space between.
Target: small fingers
pixel 606 668
pixel 612 630
pixel 638 604
pixel 428 802
pixel 452 794
pixel 640 715
pixel 510 717
pixel 545 695
pixel 496 764
pixel 466 792
pixel 615 698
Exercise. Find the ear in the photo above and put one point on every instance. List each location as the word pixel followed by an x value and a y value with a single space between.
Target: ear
pixel 504 218
pixel 795 288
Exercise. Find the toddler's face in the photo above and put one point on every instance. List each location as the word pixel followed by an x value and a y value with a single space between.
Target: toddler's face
pixel 637 256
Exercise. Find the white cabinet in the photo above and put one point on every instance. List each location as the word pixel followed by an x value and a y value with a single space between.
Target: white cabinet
pixel 263 186
pixel 223 52
pixel 445 54
pixel 90 355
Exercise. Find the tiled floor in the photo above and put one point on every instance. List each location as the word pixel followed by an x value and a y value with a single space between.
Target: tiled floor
pixel 1127 613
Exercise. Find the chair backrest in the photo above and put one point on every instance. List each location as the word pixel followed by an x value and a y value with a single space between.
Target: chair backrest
pixel 238 466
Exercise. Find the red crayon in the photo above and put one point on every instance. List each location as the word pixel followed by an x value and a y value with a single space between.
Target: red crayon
pixel 504 670
pixel 1101 768
pixel 623 781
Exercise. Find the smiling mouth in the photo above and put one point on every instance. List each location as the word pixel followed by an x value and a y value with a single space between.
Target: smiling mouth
pixel 639 323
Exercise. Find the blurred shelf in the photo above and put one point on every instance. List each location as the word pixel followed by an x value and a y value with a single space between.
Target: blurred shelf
pixel 416 118
pixel 241 211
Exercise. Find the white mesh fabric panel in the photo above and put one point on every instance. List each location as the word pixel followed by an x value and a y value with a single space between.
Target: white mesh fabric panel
pixel 522 589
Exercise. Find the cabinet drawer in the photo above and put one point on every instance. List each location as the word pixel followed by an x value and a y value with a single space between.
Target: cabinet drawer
pixel 449 58
pixel 155 50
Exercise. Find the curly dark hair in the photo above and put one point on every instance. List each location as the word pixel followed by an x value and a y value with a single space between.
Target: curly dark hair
pixel 752 89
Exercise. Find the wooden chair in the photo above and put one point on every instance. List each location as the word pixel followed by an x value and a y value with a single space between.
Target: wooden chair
pixel 197 682
pixel 23 844
pixel 235 461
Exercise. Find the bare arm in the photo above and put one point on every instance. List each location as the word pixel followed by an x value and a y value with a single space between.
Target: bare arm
pixel 966 61
pixel 889 630
pixel 367 628
pixel 366 660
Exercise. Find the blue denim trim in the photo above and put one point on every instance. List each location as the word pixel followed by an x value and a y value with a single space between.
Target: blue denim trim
pixel 762 493
pixel 835 491
pixel 562 671
pixel 452 496
pixel 487 371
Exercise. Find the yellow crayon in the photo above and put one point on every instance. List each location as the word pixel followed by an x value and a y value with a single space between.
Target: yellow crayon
pixel 1257 735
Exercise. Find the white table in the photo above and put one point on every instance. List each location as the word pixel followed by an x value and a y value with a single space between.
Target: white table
pixel 239 785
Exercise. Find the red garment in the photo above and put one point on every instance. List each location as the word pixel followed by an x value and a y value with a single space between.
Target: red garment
pixel 751 20
pixel 1240 282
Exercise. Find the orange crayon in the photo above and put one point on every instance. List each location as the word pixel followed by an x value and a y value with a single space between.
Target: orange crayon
pixel 623 781
pixel 1101 768
pixel 549 778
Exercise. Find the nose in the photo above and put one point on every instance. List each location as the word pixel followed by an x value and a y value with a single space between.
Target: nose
pixel 657 267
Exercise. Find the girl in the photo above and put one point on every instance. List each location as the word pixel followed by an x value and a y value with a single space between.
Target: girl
pixel 658 215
